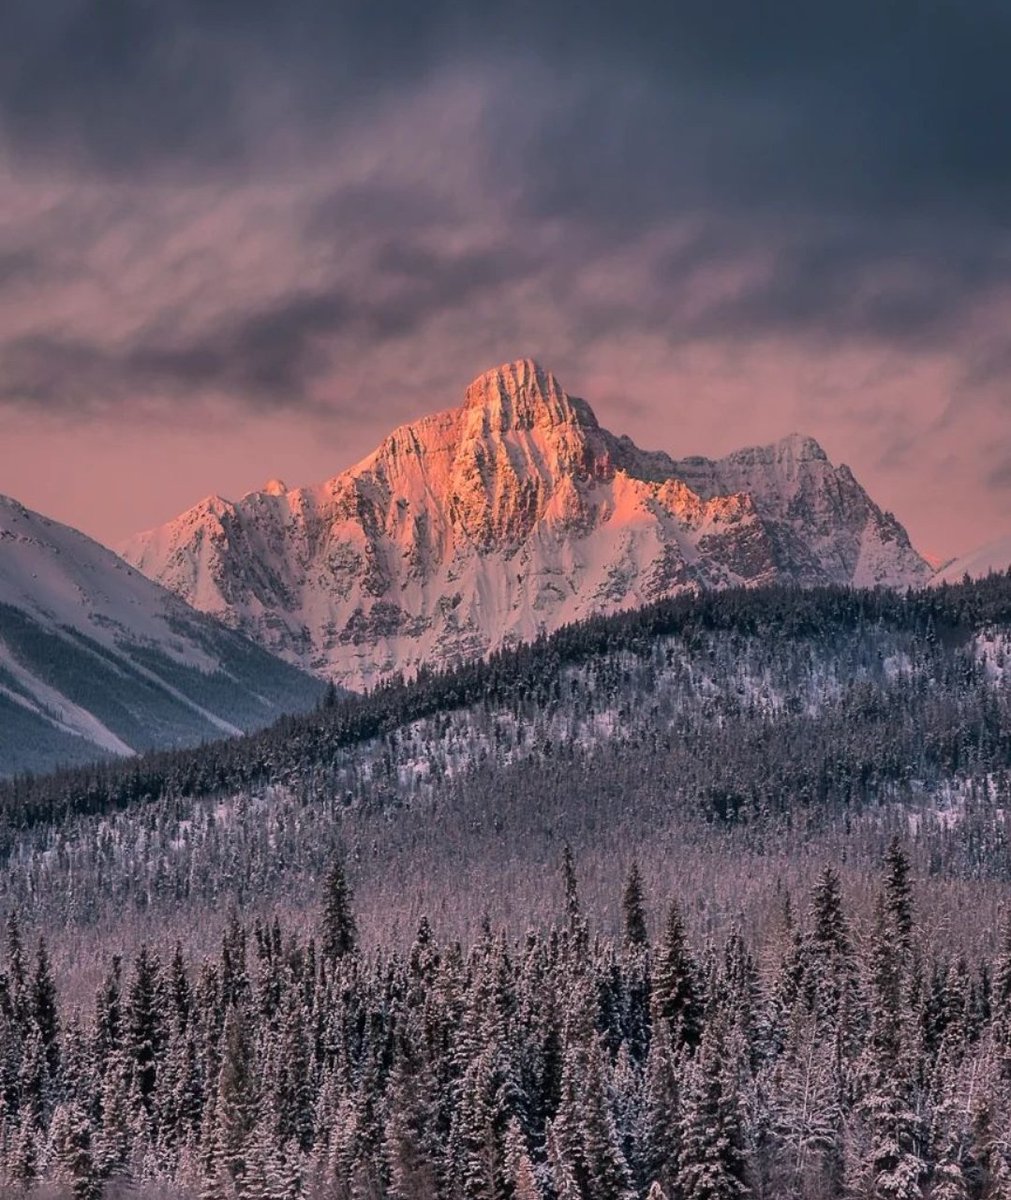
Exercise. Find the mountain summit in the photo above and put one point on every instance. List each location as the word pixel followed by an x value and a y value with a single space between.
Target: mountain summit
pixel 511 515
pixel 522 395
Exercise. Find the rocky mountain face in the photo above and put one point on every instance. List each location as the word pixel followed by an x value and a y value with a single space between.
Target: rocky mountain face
pixel 95 659
pixel 513 514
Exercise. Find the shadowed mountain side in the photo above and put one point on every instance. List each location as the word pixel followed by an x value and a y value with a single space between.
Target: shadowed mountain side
pixel 96 660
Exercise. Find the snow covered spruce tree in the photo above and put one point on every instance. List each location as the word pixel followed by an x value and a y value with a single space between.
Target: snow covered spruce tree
pixel 713 1162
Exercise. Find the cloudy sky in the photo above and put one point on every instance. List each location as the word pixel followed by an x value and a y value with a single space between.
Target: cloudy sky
pixel 244 238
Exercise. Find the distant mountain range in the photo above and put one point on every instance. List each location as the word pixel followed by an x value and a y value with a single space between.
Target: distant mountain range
pixel 506 517
pixel 96 659
pixel 995 556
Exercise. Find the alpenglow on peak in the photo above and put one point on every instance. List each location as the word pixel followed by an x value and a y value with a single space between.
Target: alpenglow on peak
pixel 493 521
pixel 524 395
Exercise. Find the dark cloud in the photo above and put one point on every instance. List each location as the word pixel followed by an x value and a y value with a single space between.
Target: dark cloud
pixel 1000 475
pixel 18 265
pixel 860 150
pixel 378 209
pixel 876 102
pixel 269 356
pixel 863 106
pixel 891 282
pixel 274 355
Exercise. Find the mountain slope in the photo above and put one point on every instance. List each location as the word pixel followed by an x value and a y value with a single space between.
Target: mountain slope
pixel 512 515
pixel 995 557
pixel 97 659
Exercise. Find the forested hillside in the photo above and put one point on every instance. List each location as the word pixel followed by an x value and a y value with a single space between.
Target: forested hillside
pixel 733 746
pixel 959 631
pixel 772 722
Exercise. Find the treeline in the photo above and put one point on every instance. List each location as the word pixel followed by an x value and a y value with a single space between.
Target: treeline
pixel 522 676
pixel 829 1061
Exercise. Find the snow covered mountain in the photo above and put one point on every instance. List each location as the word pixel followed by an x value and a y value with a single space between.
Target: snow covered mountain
pixel 993 557
pixel 96 659
pixel 513 514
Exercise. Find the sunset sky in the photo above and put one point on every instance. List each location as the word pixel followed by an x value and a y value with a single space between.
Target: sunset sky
pixel 245 239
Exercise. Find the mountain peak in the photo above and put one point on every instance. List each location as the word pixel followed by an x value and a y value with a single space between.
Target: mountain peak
pixel 509 515
pixel 524 395
pixel 802 447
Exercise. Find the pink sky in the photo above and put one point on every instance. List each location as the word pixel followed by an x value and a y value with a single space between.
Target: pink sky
pixel 887 420
pixel 175 331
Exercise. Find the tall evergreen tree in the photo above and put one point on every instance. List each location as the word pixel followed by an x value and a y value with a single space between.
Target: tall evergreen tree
pixel 893 1168
pixel 23 1157
pixel 607 1172
pixel 114 1141
pixel 659 1142
pixel 899 892
pixel 830 961
pixel 338 929
pixel 17 972
pixel 676 1004
pixel 180 995
pixel 563 1164
pixel 713 1160
pixel 634 909
pixel 236 1106
pixel 44 1006
pixel 70 1140
pixel 578 931
pixel 412 1145
pixel 145 1025
pixel 107 1034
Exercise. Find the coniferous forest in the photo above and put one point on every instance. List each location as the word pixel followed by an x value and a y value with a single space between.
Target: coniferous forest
pixel 823 1062
pixel 705 901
